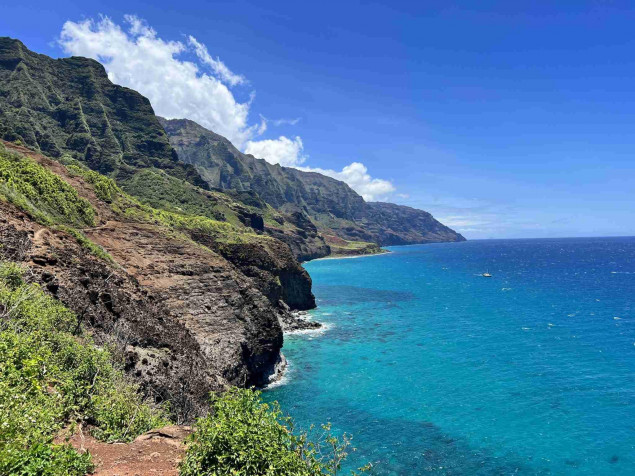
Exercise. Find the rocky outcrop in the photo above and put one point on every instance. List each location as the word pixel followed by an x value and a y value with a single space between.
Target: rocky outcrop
pixel 160 352
pixel 273 268
pixel 303 237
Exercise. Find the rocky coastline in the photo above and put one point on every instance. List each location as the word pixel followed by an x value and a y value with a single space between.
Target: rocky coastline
pixel 165 240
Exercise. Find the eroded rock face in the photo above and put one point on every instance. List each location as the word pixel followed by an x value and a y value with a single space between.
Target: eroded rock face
pixel 185 321
pixel 114 308
pixel 273 268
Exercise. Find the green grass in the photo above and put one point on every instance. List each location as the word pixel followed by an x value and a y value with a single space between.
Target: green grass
pixel 52 375
pixel 340 246
pixel 353 245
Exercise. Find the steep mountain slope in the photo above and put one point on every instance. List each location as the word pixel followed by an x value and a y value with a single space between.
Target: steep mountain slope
pixel 69 105
pixel 331 204
pixel 223 166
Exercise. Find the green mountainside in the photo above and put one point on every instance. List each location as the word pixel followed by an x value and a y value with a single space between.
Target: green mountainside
pixel 332 205
pixel 69 105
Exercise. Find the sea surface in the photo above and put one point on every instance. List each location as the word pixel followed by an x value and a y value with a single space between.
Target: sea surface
pixel 433 368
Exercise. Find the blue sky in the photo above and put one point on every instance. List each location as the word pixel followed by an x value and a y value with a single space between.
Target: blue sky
pixel 503 119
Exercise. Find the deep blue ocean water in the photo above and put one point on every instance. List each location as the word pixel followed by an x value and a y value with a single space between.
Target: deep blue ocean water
pixel 433 368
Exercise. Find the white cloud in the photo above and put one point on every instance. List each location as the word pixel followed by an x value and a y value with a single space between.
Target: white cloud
pixel 177 88
pixel 136 57
pixel 216 64
pixel 281 122
pixel 357 177
pixel 283 151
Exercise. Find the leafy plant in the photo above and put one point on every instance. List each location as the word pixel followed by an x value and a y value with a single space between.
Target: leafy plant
pixel 105 188
pixel 243 436
pixel 41 193
pixel 50 376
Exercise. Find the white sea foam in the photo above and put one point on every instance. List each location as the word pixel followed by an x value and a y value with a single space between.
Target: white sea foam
pixel 284 377
pixel 326 326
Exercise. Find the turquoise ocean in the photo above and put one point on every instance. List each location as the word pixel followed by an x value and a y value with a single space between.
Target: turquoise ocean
pixel 433 368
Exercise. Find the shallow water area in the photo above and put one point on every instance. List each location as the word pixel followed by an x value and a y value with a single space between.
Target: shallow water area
pixel 434 368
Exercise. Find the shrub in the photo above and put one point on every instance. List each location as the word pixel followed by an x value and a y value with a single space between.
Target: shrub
pixel 51 374
pixel 244 436
pixel 105 188
pixel 45 460
pixel 41 193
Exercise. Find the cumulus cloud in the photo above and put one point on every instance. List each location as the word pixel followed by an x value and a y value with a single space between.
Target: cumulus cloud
pixel 137 58
pixel 283 151
pixel 357 177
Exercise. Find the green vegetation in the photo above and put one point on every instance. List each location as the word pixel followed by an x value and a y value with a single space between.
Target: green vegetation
pixel 105 188
pixel 340 246
pixel 160 190
pixel 244 436
pixel 192 214
pixel 52 375
pixel 220 232
pixel 41 193
pixel 49 199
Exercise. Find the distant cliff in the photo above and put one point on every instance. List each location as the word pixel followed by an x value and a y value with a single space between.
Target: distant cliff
pixel 400 225
pixel 331 204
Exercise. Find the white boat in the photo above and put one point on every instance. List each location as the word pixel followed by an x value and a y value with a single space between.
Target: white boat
pixel 486 275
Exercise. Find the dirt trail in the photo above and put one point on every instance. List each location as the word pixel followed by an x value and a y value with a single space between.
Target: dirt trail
pixel 157 452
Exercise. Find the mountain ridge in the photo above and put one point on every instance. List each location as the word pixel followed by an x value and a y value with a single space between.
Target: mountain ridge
pixel 331 204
